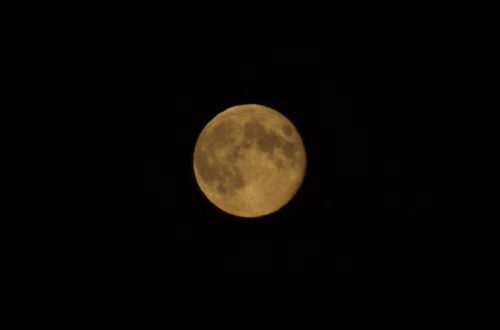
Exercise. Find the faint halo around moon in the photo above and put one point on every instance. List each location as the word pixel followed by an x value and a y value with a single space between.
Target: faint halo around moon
pixel 249 160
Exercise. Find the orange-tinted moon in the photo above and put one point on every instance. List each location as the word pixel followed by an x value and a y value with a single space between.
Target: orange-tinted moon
pixel 249 160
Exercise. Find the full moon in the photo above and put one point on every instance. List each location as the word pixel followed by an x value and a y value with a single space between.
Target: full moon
pixel 249 160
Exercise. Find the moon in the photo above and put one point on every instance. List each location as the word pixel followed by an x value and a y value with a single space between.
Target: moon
pixel 249 160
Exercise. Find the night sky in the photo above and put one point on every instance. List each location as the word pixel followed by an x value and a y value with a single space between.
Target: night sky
pixel 379 227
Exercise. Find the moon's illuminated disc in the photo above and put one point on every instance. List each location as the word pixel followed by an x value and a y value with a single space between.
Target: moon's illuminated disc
pixel 249 160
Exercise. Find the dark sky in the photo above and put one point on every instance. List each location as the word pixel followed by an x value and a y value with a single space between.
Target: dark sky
pixel 380 225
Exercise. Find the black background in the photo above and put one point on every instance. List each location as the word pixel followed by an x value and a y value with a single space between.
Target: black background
pixel 381 225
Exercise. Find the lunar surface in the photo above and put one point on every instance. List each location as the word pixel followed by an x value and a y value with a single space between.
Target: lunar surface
pixel 249 160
